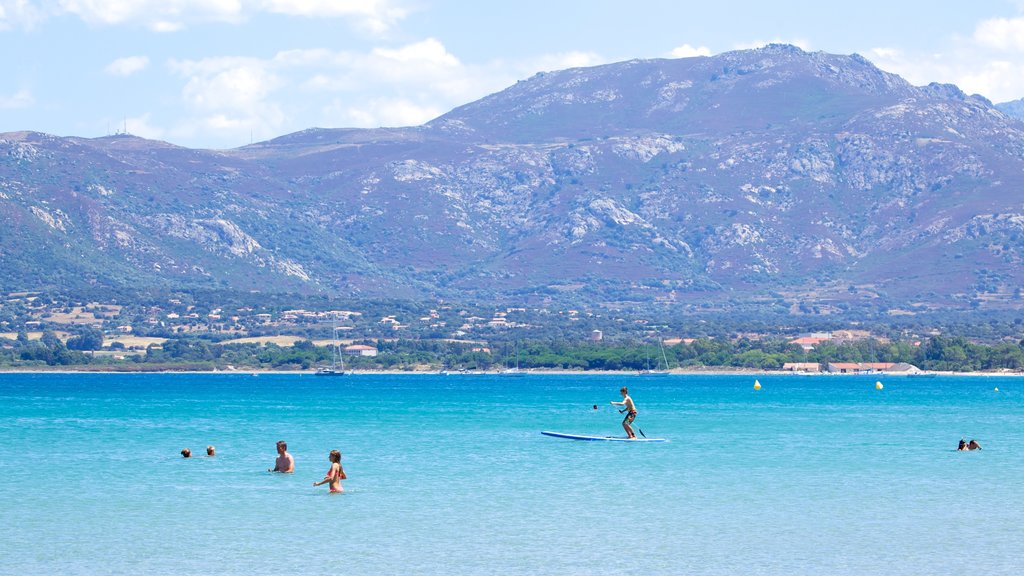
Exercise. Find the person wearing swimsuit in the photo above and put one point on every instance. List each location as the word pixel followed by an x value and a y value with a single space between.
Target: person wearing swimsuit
pixel 335 474
pixel 630 409
pixel 284 463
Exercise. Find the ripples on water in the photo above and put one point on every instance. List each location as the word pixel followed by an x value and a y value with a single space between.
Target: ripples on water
pixel 449 475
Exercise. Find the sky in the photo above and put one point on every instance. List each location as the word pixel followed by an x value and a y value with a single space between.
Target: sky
pixel 223 73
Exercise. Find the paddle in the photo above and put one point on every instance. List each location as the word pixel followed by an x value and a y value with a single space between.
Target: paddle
pixel 638 428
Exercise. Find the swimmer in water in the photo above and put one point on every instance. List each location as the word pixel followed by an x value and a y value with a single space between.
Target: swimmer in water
pixel 335 474
pixel 284 463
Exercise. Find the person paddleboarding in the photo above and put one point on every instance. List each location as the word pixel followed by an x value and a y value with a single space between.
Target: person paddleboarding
pixel 630 409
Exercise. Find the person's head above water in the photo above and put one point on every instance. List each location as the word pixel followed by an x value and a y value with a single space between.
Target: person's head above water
pixel 210 451
pixel 186 453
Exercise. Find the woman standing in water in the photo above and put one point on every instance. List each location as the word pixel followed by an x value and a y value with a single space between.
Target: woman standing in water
pixel 336 473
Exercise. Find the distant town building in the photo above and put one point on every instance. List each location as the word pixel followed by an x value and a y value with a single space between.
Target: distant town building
pixel 596 336
pixel 843 367
pixel 360 350
pixel 808 342
pixel 855 367
pixel 802 367
pixel 903 368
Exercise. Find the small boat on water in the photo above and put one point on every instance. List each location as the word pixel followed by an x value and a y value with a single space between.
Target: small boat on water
pixel 336 360
pixel 661 369
pixel 653 373
pixel 326 371
pixel 513 371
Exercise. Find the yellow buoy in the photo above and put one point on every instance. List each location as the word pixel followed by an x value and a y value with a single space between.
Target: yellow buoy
pixel 757 385
pixel 878 385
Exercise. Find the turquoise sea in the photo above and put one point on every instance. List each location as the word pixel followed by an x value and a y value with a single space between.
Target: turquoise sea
pixel 450 475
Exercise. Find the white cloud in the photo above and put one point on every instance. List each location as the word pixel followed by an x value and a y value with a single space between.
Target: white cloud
pixel 21 13
pixel 20 99
pixel 141 126
pixel 430 52
pixel 156 14
pixel 127 66
pixel 228 97
pixel 1005 34
pixel 687 51
pixel 240 84
pixel 379 112
pixel 988 62
pixel 166 27
pixel 551 62
pixel 999 80
pixel 377 16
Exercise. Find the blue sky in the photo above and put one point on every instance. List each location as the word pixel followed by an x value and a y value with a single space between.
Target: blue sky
pixel 217 73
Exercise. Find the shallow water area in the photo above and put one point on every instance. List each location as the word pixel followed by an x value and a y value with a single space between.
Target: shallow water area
pixel 450 475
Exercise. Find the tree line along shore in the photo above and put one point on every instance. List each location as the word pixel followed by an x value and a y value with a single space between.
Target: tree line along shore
pixel 937 353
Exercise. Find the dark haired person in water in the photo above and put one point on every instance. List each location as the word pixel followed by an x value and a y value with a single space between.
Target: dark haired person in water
pixel 630 409
pixel 335 474
pixel 973 445
pixel 186 453
pixel 211 451
pixel 284 463
pixel 961 446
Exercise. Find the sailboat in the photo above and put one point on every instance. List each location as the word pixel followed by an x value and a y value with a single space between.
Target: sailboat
pixel 658 371
pixel 513 371
pixel 337 367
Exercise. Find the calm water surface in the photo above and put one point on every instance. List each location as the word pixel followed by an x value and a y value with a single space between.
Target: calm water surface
pixel 450 475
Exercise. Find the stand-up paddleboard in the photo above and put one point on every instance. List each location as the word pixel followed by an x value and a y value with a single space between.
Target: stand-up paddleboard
pixel 601 438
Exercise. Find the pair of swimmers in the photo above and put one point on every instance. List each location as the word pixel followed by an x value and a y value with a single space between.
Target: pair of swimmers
pixel 972 445
pixel 210 451
pixel 335 474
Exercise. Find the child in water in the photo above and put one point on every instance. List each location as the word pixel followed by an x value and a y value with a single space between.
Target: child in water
pixel 336 473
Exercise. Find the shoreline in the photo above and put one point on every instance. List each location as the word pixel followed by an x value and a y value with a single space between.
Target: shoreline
pixel 710 371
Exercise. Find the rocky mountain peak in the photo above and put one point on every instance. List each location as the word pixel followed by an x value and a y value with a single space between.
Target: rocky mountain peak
pixel 774 175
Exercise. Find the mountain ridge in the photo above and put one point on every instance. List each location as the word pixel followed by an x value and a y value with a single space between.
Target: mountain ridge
pixel 770 177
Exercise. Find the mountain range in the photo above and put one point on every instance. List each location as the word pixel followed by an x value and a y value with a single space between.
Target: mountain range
pixel 775 177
